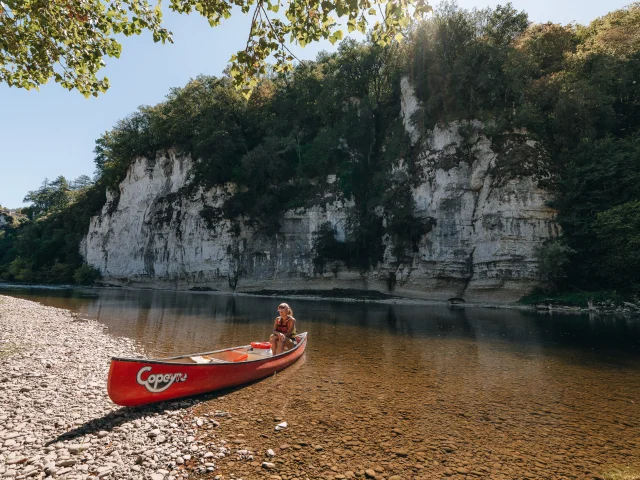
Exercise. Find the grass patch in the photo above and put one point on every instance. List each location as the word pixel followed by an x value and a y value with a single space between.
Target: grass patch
pixel 622 473
pixel 8 349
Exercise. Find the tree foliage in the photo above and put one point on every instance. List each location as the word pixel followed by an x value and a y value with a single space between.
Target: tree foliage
pixel 55 195
pixel 69 40
pixel 618 229
pixel 45 248
pixel 553 258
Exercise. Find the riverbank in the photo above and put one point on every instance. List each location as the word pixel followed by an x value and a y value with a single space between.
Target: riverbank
pixel 56 420
pixel 334 295
pixel 608 302
pixel 602 302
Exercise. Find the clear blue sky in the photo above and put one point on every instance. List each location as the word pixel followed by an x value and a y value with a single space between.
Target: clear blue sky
pixel 52 132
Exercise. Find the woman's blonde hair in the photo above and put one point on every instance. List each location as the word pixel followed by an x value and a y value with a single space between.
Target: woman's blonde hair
pixel 286 305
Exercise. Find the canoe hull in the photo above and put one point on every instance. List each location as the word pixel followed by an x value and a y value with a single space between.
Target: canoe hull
pixel 134 382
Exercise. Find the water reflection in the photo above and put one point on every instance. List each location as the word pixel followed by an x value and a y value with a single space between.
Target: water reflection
pixel 168 322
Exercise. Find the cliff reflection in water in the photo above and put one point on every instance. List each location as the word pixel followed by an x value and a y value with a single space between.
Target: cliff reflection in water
pixel 167 322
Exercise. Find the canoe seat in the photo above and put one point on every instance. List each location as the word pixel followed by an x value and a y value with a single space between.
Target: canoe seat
pixel 255 356
pixel 199 359
pixel 241 358
pixel 227 356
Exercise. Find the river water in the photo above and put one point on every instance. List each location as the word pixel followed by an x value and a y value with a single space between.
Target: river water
pixel 419 391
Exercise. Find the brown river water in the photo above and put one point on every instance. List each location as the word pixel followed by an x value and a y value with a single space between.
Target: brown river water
pixel 403 391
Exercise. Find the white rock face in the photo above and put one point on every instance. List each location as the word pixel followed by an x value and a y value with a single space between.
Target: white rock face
pixel 6 219
pixel 482 247
pixel 149 232
pixel 485 229
pixel 153 235
pixel 409 106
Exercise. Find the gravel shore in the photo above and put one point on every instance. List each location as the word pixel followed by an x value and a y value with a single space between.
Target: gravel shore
pixel 56 420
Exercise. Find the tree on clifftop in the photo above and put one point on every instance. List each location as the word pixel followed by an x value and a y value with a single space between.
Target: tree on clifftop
pixel 67 40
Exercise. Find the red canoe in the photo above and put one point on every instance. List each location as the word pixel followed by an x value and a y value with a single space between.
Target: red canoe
pixel 133 381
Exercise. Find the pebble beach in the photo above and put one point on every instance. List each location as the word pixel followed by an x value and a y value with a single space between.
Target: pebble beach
pixel 56 420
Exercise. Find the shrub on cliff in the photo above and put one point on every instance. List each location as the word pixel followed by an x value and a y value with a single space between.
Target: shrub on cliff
pixel 553 258
pixel 618 229
pixel 327 247
pixel 86 275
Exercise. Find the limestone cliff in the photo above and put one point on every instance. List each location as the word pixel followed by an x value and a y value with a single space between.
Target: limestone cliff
pixel 486 211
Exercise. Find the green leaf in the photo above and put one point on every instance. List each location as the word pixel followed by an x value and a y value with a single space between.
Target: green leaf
pixel 41 37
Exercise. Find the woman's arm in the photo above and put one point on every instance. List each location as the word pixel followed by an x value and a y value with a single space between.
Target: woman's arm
pixel 275 326
pixel 292 324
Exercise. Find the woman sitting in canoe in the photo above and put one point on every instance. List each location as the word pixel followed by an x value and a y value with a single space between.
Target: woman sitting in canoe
pixel 284 330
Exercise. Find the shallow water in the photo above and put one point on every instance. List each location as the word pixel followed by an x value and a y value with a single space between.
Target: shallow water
pixel 502 393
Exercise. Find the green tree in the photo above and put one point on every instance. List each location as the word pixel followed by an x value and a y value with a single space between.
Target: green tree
pixel 619 231
pixel 504 25
pixel 81 183
pixel 616 34
pixel 45 249
pixel 68 40
pixel 553 259
pixel 546 46
pixel 50 196
pixel 464 64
